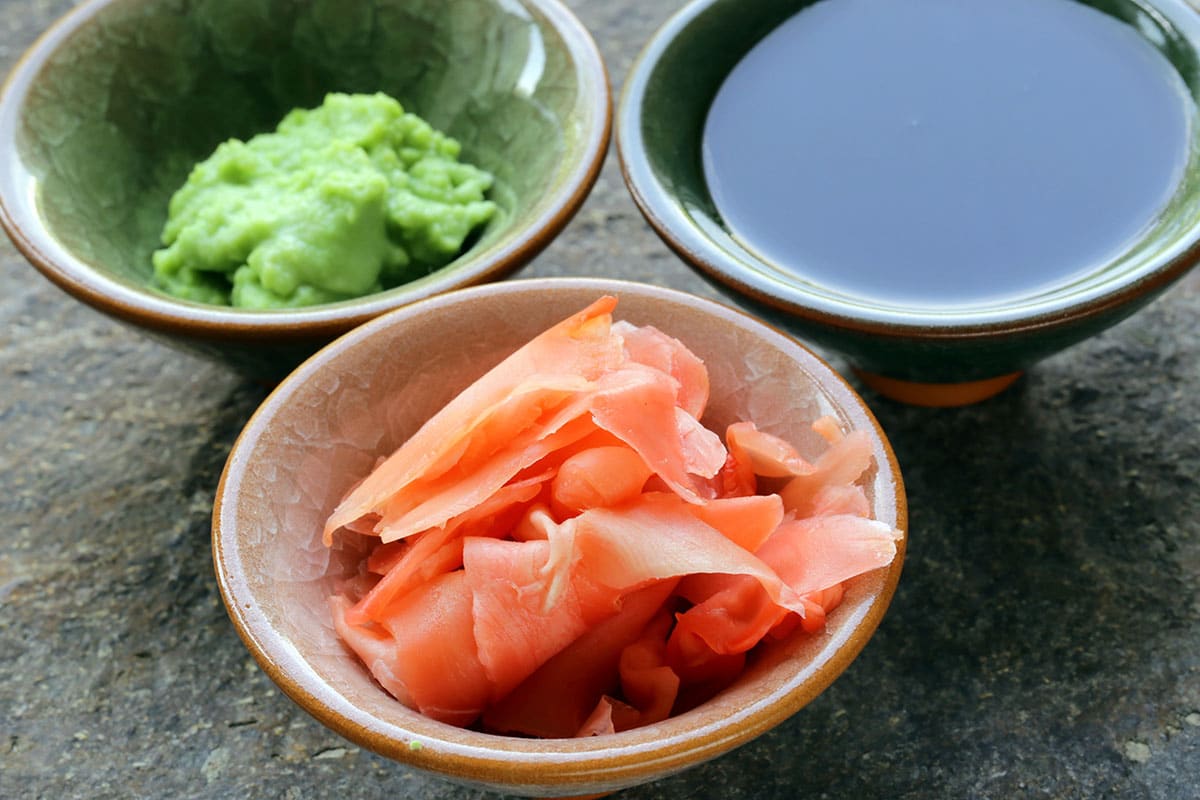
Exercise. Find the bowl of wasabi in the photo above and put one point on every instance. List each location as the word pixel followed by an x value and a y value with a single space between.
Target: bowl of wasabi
pixel 251 180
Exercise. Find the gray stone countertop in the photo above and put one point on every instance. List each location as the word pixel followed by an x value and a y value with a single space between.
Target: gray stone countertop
pixel 1044 642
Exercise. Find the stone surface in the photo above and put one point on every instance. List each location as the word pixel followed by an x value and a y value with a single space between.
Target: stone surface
pixel 1044 643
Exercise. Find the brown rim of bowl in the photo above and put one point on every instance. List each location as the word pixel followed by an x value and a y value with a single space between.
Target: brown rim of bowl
pixel 1151 280
pixel 584 764
pixel 121 299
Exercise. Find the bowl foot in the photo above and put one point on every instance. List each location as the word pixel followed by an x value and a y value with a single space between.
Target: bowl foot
pixel 937 395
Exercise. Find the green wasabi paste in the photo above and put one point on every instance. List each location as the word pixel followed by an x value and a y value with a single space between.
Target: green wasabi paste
pixel 346 199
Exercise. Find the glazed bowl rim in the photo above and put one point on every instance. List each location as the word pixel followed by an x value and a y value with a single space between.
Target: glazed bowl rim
pixel 684 235
pixel 618 760
pixel 25 226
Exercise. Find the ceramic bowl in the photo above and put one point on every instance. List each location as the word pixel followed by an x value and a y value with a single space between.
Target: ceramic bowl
pixel 104 116
pixel 363 395
pixel 930 355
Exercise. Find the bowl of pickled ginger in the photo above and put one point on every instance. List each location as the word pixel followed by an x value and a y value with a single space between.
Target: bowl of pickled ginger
pixel 560 536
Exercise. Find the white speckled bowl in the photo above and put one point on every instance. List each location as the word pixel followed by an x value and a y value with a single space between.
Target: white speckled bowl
pixel 363 395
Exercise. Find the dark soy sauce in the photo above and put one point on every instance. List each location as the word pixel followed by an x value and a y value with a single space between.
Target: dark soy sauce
pixel 946 152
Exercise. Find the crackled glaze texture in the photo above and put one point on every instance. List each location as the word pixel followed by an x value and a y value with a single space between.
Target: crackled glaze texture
pixel 361 397
pixel 659 132
pixel 109 111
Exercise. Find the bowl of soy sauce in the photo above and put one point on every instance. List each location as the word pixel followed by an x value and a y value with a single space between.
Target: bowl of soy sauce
pixel 943 192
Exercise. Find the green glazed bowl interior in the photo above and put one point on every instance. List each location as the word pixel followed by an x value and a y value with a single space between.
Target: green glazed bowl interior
pixel 659 131
pixel 105 116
